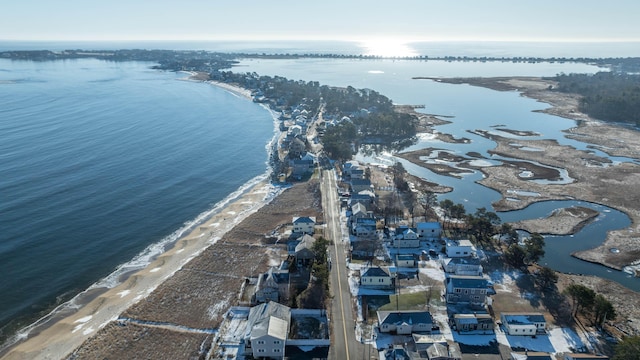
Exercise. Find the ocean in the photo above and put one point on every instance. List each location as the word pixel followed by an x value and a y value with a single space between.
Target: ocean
pixel 106 162
pixel 103 165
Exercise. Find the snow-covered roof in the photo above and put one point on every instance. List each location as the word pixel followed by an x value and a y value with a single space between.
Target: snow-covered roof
pixel 268 319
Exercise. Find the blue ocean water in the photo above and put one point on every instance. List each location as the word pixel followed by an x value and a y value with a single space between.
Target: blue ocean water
pixel 98 160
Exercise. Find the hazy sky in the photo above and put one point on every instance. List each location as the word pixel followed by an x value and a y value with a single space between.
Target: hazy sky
pixel 558 20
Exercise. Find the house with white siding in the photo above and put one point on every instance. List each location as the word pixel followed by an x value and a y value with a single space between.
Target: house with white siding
pixel 304 224
pixel 523 323
pixel 460 248
pixel 267 330
pixel 430 230
pixel 405 322
pixel 375 277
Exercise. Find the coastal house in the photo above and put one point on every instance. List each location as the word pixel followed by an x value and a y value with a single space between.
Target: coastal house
pixel 271 286
pixel 406 260
pixel 466 289
pixel 364 228
pixel 303 253
pixel 406 238
pixel 304 224
pixel 523 323
pixel 375 277
pixel 460 248
pixel 267 330
pixel 365 199
pixel 359 211
pixel 473 323
pixel 300 168
pixel 358 185
pixel 461 266
pixel 405 322
pixel 431 230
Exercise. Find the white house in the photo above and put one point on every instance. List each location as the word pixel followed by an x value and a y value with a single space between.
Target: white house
pixel 523 323
pixel 405 260
pixel 267 330
pixel 405 322
pixel 462 266
pixel 406 238
pixel 460 248
pixel 431 230
pixel 304 224
pixel 375 277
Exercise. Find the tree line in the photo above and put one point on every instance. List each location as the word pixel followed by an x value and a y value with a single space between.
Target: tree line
pixel 607 96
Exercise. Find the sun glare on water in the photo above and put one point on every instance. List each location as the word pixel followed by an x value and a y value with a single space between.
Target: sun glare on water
pixel 388 48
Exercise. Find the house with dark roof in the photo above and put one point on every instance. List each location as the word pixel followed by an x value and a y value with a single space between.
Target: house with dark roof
pixel 271 286
pixel 303 253
pixel 406 260
pixel 516 323
pixel 375 277
pixel 405 322
pixel 358 185
pixel 406 237
pixel 304 224
pixel 466 289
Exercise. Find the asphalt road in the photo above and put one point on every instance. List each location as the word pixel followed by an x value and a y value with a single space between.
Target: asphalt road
pixel 344 345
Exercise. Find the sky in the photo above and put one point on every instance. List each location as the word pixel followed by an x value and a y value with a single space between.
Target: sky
pixel 359 20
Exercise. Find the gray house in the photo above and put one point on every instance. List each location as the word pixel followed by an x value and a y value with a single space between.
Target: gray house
pixel 466 289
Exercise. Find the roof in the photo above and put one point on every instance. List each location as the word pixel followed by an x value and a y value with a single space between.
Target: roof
pixel 437 350
pixel 358 207
pixel 522 318
pixel 364 182
pixel 304 219
pixel 400 317
pixel 531 355
pixel 468 282
pixel 375 271
pixel 268 319
pixel 429 339
pixel 428 225
pixel 306 242
pixel 587 356
pixel 405 257
pixel 471 318
pixel 461 261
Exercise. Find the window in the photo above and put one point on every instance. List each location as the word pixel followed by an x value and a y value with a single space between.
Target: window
pixel 260 350
pixel 260 342
pixel 276 350
pixel 380 280
pixel 276 342
pixel 458 290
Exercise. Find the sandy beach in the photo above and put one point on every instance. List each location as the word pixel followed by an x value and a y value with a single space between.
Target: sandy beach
pixel 57 340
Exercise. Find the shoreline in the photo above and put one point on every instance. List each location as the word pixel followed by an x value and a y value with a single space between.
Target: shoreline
pixel 60 338
pixel 57 334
